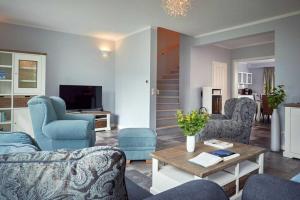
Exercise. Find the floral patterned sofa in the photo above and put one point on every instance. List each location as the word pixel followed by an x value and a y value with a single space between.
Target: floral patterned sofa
pixel 90 173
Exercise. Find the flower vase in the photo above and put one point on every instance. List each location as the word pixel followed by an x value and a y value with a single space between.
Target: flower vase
pixel 190 143
pixel 275 131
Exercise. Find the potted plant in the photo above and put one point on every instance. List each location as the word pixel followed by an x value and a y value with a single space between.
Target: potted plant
pixel 275 98
pixel 191 124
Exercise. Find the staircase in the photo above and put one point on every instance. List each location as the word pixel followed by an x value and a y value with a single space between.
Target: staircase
pixel 167 101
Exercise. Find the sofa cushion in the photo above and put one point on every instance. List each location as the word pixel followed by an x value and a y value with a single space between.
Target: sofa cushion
pixel 15 137
pixel 91 173
pixel 135 192
pixel 6 148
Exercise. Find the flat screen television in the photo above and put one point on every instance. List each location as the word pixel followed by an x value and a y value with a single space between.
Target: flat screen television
pixel 80 97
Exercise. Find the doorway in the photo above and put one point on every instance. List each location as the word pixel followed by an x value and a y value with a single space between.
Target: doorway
pixel 167 102
pixel 219 79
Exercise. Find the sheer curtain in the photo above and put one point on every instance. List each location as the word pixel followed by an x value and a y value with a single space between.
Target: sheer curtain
pixel 269 79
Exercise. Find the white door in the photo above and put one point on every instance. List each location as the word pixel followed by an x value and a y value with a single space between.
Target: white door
pixel 219 79
pixel 22 121
pixel 29 73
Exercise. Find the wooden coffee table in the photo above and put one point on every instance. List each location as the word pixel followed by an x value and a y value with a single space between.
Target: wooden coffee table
pixel 170 168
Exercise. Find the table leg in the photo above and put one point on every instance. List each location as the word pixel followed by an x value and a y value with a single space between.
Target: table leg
pixel 237 180
pixel 108 127
pixel 260 161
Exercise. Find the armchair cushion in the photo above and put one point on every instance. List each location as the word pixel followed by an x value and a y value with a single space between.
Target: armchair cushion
pixel 91 173
pixel 86 117
pixel 67 129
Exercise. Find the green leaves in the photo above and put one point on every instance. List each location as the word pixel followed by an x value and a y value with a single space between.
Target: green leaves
pixel 276 97
pixel 192 122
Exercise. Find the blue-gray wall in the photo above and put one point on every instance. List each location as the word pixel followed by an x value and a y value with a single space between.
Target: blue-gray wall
pixel 71 59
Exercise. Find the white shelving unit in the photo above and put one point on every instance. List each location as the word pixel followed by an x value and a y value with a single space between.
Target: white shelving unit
pixel 22 75
pixel 165 177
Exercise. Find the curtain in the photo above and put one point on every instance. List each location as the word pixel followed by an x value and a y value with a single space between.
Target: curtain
pixel 269 79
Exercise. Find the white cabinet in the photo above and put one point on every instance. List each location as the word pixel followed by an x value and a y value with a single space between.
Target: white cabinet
pixel 22 75
pixel 249 78
pixel 245 78
pixel 292 133
pixel 29 74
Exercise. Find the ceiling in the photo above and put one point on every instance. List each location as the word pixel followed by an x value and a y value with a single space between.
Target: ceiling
pixel 261 63
pixel 114 19
pixel 248 41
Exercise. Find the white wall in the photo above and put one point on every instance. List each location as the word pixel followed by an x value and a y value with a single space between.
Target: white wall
pixel 242 67
pixel 133 69
pixel 71 59
pixel 201 71
pixel 264 50
pixel 257 85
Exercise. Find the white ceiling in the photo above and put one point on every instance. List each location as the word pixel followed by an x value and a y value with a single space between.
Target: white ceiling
pixel 251 64
pixel 248 41
pixel 114 19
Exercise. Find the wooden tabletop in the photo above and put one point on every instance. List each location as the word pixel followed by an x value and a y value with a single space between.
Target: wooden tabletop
pixel 178 157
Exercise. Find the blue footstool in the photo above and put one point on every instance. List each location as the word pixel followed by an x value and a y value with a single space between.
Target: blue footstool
pixel 137 143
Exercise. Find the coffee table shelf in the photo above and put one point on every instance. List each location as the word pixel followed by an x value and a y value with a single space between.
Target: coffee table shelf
pixel 170 170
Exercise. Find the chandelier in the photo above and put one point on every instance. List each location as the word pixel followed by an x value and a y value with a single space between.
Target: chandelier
pixel 176 8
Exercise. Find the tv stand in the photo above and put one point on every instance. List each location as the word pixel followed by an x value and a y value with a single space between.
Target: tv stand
pixel 102 119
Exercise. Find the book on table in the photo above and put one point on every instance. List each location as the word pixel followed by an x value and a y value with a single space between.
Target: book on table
pixel 212 158
pixel 218 144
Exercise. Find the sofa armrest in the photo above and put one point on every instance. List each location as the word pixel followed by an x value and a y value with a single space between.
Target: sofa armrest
pixel 194 190
pixel 88 117
pixel 264 187
pixel 67 129
pixel 91 173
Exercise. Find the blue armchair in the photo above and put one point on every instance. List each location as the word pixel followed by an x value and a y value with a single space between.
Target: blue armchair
pixel 55 129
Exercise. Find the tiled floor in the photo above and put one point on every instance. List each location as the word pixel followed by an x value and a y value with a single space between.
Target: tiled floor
pixel 140 172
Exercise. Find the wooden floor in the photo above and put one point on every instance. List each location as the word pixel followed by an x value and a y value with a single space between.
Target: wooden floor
pixel 140 172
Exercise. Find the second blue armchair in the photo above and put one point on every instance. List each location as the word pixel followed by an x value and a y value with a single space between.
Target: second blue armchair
pixel 55 129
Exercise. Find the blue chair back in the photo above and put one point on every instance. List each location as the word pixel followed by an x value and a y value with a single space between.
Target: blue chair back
pixel 42 112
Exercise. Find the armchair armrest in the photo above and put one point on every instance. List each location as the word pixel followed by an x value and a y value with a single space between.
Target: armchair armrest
pixel 91 173
pixel 222 129
pixel 67 129
pixel 263 187
pixel 88 117
pixel 193 190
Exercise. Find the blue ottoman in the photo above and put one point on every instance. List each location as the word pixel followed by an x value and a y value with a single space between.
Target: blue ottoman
pixel 137 143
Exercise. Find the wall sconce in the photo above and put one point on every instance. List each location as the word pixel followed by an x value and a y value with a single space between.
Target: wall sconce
pixel 105 53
